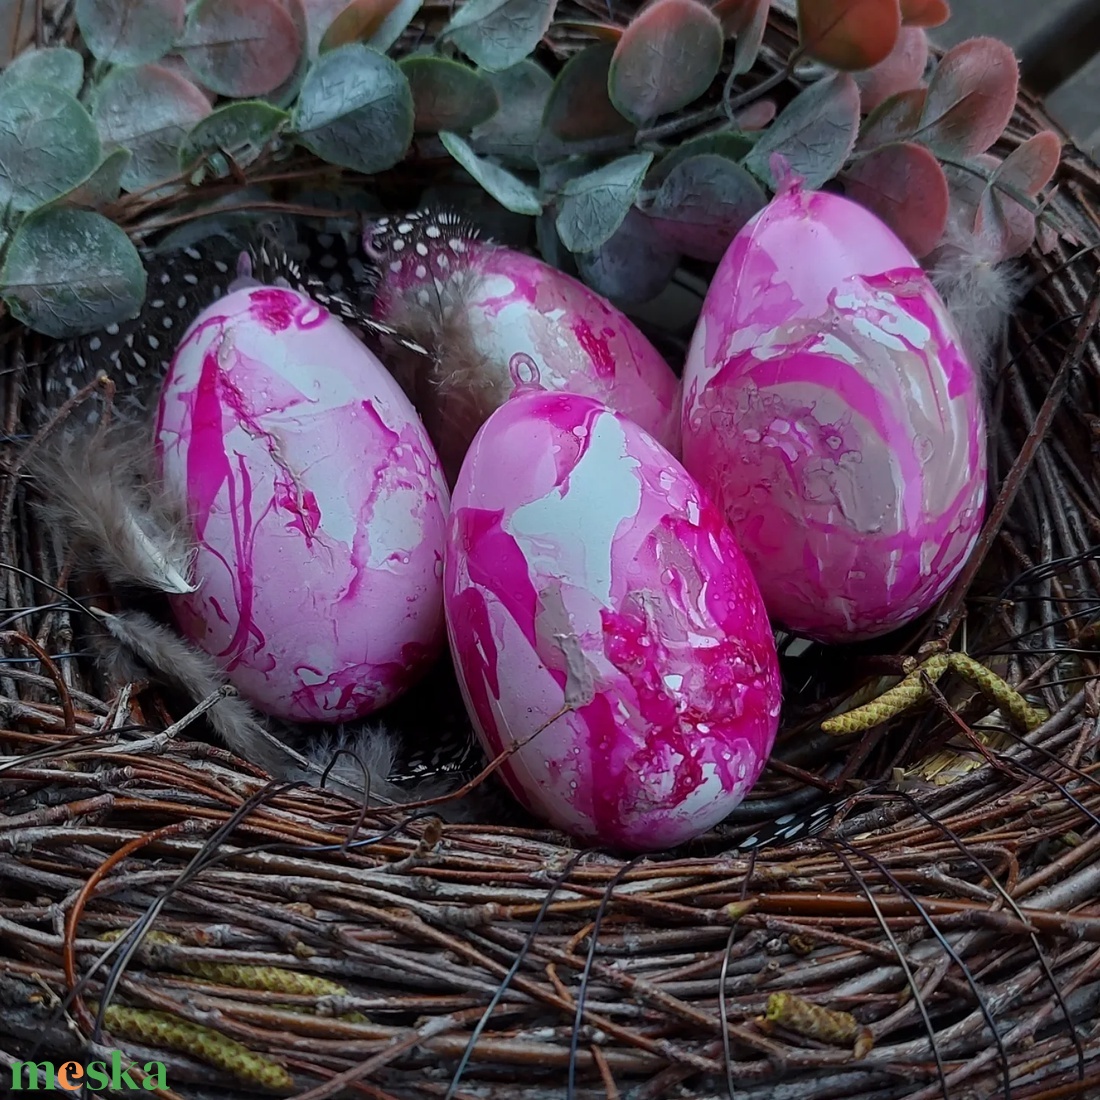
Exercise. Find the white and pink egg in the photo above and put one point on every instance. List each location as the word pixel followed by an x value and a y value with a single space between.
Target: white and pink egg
pixel 605 624
pixel 317 504
pixel 829 408
pixel 496 319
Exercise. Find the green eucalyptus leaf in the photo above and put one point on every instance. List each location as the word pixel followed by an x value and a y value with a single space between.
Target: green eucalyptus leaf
pixel 355 109
pixel 510 191
pixel 579 108
pixel 497 34
pixel 815 132
pixel 71 271
pixel 632 266
pixel 448 95
pixel 103 184
pixel 148 110
pixel 242 47
pixel 702 204
pixel 48 144
pixel 130 32
pixel 240 130
pixel 513 132
pixel 666 59
pixel 57 66
pixel 733 145
pixel 594 205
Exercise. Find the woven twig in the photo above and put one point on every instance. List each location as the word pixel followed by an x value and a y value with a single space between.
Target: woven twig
pixel 321 950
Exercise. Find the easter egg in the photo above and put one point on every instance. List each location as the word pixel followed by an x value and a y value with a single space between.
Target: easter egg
pixel 318 507
pixel 496 319
pixel 602 617
pixel 830 410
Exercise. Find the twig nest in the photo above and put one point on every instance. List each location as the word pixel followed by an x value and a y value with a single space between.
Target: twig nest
pixel 830 409
pixel 318 505
pixel 602 616
pixel 496 318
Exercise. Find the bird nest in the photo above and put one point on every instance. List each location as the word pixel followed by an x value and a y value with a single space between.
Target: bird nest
pixel 164 903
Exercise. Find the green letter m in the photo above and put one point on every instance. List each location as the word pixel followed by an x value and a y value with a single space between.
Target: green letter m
pixel 33 1070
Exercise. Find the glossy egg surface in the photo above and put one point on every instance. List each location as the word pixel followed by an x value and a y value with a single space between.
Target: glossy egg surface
pixel 506 319
pixel 595 595
pixel 318 506
pixel 830 410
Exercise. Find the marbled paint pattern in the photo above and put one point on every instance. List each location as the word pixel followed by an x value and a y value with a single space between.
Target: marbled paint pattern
pixel 528 322
pixel 585 566
pixel 829 407
pixel 317 503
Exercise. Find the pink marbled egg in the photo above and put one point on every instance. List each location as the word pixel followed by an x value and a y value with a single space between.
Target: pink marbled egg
pixel 497 318
pixel 318 506
pixel 585 568
pixel 829 408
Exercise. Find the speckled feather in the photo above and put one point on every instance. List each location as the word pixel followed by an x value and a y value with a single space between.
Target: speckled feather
pixel 183 282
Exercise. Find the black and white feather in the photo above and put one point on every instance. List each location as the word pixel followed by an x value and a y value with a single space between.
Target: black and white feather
pixel 182 282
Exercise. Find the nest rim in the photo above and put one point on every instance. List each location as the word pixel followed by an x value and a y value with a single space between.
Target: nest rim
pixel 369 898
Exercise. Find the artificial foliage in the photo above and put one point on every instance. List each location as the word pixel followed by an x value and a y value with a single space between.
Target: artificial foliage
pixel 625 154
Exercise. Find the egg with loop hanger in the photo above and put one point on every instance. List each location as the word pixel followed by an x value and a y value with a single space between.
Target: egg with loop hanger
pixel 602 619
pixel 496 319
pixel 830 409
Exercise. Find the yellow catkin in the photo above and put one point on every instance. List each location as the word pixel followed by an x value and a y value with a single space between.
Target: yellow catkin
pixel 824 1024
pixel 999 691
pixel 267 979
pixel 912 690
pixel 166 1031
pixel 890 703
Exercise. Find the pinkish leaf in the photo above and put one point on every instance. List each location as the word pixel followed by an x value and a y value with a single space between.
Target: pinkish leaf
pixel 905 186
pixel 1031 165
pixel 900 72
pixel 849 34
pixel 971 98
pixel 744 20
pixel 966 183
pixel 893 120
pixel 757 116
pixel 924 13
pixel 578 108
pixel 241 47
pixel 666 59
pixel 356 22
pixel 1006 228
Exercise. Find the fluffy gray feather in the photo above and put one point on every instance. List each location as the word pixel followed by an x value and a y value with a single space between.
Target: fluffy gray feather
pixel 97 491
pixel 362 758
pixel 980 292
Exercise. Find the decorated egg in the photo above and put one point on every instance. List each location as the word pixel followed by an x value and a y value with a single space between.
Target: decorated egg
pixel 495 318
pixel 318 507
pixel 830 410
pixel 602 617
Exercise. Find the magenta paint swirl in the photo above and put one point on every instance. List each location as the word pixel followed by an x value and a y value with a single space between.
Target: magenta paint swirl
pixel 586 567
pixel 317 503
pixel 830 410
pixel 513 303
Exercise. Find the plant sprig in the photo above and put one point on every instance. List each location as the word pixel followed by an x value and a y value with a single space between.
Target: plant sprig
pixel 623 153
